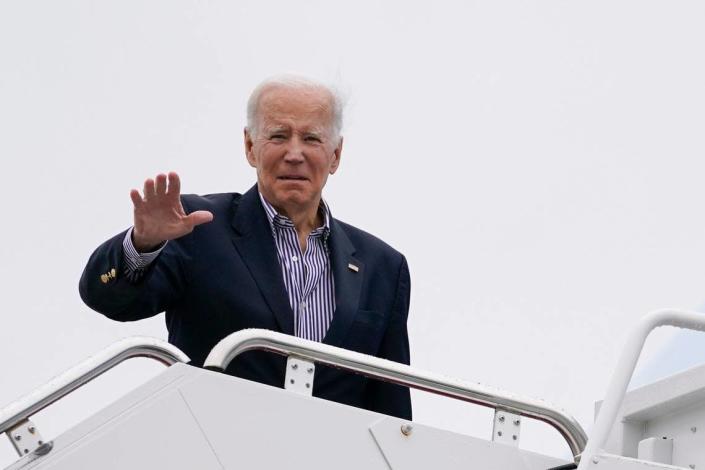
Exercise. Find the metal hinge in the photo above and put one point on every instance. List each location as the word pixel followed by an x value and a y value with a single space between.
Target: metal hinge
pixel 299 376
pixel 507 427
pixel 26 438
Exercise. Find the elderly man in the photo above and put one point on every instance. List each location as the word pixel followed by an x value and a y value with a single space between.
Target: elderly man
pixel 273 257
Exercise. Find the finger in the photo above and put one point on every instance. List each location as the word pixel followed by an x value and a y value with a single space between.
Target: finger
pixel 136 198
pixel 174 185
pixel 199 217
pixel 148 189
pixel 160 185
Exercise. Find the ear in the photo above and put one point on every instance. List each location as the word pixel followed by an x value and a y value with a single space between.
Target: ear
pixel 249 144
pixel 336 156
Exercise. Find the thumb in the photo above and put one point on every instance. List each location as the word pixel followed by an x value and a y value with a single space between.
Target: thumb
pixel 199 217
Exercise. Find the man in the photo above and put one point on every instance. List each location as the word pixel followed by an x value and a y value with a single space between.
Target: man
pixel 273 257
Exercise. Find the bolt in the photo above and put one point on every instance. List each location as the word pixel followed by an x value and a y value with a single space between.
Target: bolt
pixel 514 437
pixel 294 366
pixel 31 429
pixel 40 442
pixel 18 438
pixel 693 429
pixel 308 385
pixel 595 460
pixel 406 429
pixel 499 433
pixel 501 419
pixel 517 422
pixel 26 451
pixel 291 381
pixel 310 370
pixel 692 465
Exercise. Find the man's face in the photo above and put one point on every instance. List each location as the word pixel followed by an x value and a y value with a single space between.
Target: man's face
pixel 294 149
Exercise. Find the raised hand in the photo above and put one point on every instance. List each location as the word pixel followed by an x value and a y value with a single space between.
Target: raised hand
pixel 159 216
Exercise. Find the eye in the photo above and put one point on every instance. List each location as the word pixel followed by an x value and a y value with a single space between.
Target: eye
pixel 277 136
pixel 313 138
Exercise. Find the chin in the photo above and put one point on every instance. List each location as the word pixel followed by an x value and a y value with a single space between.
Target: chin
pixel 293 197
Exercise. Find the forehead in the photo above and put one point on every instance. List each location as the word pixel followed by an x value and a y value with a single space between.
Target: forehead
pixel 296 107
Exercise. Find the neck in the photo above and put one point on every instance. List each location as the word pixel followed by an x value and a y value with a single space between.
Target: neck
pixel 304 219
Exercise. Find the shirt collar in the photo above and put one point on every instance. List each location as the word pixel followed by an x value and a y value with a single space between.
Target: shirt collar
pixel 277 220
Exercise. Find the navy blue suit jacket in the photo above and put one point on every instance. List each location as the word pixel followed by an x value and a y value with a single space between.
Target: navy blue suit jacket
pixel 225 276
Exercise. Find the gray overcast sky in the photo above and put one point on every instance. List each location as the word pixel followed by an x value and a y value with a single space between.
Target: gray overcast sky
pixel 539 163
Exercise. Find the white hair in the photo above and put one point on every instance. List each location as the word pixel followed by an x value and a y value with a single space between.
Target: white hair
pixel 294 82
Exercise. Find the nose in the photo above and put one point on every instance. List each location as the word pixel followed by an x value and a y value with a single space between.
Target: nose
pixel 294 151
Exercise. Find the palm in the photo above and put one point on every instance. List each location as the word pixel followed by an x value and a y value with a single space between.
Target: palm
pixel 159 215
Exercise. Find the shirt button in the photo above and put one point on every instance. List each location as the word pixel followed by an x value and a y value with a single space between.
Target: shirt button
pixel 294 258
pixel 303 305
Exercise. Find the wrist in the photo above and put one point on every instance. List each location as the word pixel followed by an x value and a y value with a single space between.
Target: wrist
pixel 143 245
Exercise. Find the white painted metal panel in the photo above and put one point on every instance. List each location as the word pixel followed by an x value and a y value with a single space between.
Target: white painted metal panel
pixel 160 433
pixel 687 429
pixel 251 425
pixel 430 448
pixel 188 418
pixel 148 392
pixel 616 462
pixel 673 407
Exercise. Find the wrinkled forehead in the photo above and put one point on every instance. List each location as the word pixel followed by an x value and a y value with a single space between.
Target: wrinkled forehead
pixel 300 107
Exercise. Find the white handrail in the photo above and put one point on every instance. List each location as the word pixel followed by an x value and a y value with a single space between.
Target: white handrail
pixel 624 371
pixel 245 340
pixel 137 346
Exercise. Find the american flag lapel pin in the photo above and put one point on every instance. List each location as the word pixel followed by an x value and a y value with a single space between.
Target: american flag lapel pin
pixel 352 267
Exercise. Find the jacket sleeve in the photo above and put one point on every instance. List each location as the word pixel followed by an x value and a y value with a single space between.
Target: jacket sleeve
pixel 106 287
pixel 390 399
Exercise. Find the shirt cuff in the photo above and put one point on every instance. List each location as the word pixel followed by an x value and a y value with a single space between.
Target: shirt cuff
pixel 136 262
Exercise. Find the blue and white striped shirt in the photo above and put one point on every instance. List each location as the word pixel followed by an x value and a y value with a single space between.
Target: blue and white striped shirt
pixel 308 277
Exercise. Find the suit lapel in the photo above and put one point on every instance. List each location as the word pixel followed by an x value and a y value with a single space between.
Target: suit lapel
pixel 348 284
pixel 253 240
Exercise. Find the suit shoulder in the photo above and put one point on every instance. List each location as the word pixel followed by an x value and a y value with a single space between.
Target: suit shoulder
pixel 369 244
pixel 216 203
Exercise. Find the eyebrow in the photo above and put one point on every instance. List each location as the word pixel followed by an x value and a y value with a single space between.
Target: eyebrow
pixel 274 129
pixel 315 133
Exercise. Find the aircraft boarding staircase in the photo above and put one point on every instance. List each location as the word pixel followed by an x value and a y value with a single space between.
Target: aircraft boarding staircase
pixel 192 418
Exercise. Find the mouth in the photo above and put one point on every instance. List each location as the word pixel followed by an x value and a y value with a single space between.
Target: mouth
pixel 292 178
